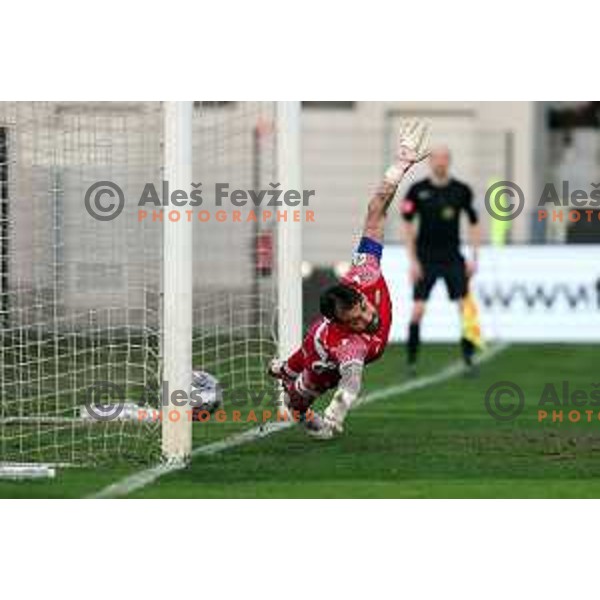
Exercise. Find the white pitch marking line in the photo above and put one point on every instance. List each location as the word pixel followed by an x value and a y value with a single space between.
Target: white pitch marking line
pixel 139 480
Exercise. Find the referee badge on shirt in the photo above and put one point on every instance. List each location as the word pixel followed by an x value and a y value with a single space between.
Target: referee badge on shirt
pixel 448 213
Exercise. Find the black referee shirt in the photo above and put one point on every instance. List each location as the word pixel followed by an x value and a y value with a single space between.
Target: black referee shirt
pixel 438 209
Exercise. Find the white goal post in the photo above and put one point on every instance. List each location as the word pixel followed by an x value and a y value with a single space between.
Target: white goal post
pixel 289 256
pixel 177 286
pixel 177 257
pixel 137 303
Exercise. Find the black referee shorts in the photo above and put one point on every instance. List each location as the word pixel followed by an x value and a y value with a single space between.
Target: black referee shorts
pixel 452 272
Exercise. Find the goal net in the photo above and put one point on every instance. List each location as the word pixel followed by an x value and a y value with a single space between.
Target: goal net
pixel 98 310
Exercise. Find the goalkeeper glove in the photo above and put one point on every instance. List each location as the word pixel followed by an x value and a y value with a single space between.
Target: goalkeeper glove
pixel 335 413
pixel 413 147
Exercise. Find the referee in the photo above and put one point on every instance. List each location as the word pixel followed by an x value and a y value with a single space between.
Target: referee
pixel 434 245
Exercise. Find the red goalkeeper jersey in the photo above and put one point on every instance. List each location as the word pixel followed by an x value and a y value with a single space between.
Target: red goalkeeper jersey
pixel 314 368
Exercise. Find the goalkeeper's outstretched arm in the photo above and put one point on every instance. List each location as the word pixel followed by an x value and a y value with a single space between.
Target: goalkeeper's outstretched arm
pixel 413 141
pixel 411 148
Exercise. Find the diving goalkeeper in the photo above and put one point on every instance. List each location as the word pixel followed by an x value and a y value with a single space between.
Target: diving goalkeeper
pixel 356 314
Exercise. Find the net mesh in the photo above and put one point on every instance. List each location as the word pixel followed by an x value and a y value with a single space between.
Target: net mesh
pixel 81 297
pixel 234 254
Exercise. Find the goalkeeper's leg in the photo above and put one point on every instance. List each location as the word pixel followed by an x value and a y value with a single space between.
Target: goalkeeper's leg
pixel 295 397
pixel 310 420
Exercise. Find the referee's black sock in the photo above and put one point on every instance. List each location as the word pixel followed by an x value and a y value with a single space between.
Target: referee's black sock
pixel 468 350
pixel 414 340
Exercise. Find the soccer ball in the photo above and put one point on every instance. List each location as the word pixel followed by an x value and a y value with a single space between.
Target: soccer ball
pixel 207 394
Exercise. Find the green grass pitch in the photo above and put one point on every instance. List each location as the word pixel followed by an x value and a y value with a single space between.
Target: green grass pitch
pixel 436 442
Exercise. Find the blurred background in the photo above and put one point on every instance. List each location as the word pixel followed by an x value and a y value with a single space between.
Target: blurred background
pixel 347 144
pixel 536 282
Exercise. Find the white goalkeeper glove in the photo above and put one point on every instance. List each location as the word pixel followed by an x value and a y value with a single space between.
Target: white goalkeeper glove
pixel 413 147
pixel 335 414
pixel 345 396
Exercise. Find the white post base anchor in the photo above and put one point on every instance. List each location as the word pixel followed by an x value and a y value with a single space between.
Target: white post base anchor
pixel 26 471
